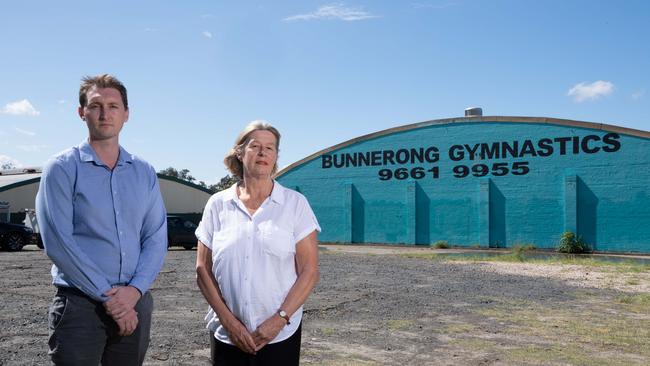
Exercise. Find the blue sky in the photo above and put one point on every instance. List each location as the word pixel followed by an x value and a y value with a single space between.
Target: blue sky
pixel 322 72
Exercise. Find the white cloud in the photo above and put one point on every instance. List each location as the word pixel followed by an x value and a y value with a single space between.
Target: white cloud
pixel 207 34
pixel 152 30
pixel 207 16
pixel 25 132
pixel 583 91
pixel 8 160
pixel 32 148
pixel 21 107
pixel 638 94
pixel 333 11
pixel 432 6
pixel 63 101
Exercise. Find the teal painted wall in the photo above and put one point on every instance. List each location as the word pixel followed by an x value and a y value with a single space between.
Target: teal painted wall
pixel 595 183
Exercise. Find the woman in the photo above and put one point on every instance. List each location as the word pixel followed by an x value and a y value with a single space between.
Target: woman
pixel 257 258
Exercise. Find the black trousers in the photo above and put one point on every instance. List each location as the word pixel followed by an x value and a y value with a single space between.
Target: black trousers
pixel 285 353
pixel 81 333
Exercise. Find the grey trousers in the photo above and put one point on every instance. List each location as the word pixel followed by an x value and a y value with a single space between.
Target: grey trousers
pixel 81 333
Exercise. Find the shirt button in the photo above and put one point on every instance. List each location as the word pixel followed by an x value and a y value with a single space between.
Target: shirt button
pixel 120 233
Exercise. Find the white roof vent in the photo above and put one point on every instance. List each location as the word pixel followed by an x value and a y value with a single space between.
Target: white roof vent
pixel 473 112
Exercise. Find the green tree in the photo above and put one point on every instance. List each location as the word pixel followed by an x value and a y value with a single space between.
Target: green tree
pixel 224 183
pixel 184 174
pixel 170 172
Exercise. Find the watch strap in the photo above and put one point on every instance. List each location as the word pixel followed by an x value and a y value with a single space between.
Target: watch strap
pixel 283 314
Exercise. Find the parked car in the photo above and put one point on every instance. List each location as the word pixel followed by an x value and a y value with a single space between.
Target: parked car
pixel 31 222
pixel 14 237
pixel 180 232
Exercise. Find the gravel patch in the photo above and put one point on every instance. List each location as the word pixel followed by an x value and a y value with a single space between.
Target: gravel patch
pixel 371 307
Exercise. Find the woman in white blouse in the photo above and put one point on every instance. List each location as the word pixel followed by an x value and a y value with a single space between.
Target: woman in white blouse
pixel 257 258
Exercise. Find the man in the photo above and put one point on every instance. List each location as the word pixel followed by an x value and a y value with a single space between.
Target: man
pixel 103 224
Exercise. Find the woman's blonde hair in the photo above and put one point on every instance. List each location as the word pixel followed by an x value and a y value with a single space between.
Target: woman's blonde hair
pixel 232 159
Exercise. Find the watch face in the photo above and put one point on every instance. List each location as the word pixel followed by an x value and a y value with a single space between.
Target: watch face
pixel 283 313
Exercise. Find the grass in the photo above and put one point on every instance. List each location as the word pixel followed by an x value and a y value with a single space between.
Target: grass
pixel 327 331
pixel 458 328
pixel 634 267
pixel 399 324
pixel 476 344
pixel 588 326
pixel 441 244
pixel 543 354
pixel 520 254
pixel 571 335
pixel 348 362
pixel 637 302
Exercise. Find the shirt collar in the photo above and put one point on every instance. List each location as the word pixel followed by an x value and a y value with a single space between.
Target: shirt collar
pixel 231 193
pixel 87 154
pixel 277 194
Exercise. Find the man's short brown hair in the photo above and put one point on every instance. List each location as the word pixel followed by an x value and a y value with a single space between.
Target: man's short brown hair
pixel 101 81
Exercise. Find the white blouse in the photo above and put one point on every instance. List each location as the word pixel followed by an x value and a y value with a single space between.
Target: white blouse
pixel 253 257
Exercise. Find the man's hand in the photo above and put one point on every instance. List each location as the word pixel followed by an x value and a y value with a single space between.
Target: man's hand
pixel 128 323
pixel 122 300
pixel 240 336
pixel 268 330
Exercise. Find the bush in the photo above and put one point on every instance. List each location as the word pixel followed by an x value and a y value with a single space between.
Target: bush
pixel 441 244
pixel 519 251
pixel 570 243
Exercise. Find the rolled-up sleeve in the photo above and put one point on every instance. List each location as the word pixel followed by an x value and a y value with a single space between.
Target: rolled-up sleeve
pixel 153 239
pixel 206 227
pixel 54 212
pixel 305 221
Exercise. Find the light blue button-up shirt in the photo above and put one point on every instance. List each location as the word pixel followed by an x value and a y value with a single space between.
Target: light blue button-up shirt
pixel 101 227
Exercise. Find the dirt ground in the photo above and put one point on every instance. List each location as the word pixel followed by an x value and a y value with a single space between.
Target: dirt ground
pixel 375 306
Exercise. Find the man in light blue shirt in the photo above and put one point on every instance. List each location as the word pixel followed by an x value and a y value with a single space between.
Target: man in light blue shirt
pixel 103 224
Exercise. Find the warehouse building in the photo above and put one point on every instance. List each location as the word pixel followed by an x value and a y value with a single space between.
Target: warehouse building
pixel 18 190
pixel 483 181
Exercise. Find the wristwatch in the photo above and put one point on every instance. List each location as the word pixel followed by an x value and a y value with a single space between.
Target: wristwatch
pixel 283 315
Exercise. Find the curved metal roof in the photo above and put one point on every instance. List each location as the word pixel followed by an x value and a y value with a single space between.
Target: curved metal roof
pixel 11 181
pixel 505 119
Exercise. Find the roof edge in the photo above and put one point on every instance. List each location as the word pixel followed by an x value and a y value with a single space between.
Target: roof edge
pixel 20 184
pixel 184 182
pixel 160 176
